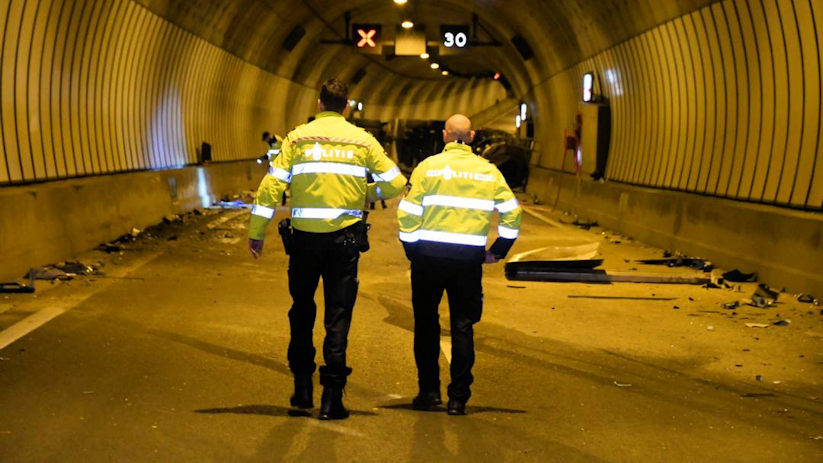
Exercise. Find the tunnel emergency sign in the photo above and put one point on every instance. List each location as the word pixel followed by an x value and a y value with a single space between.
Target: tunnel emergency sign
pixel 366 37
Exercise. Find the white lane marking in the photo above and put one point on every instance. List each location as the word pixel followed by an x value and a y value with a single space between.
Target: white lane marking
pixel 539 216
pixel 41 317
pixel 446 346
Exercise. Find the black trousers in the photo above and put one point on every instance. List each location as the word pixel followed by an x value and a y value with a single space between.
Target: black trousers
pixel 331 256
pixel 462 282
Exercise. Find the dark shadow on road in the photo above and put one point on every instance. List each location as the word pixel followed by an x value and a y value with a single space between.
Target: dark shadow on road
pixel 270 410
pixel 229 353
pixel 469 409
pixel 264 410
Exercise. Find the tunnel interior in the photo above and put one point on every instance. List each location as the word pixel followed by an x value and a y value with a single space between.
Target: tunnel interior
pixel 706 99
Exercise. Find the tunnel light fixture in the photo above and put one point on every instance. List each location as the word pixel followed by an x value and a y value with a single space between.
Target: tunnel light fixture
pixel 517 121
pixel 424 55
pixel 435 66
pixel 445 73
pixel 352 103
pixel 400 2
pixel 360 106
pixel 407 24
pixel 524 111
pixel 496 76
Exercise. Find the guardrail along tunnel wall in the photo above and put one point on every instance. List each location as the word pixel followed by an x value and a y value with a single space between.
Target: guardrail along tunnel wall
pixel 710 101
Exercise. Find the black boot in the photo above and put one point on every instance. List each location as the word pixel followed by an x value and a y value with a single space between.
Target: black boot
pixel 456 407
pixel 303 388
pixel 427 401
pixel 331 404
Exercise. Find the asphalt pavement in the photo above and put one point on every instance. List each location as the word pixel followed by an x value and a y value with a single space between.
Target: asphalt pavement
pixel 178 354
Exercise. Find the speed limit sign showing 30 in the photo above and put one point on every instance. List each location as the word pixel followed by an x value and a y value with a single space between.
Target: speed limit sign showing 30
pixel 453 39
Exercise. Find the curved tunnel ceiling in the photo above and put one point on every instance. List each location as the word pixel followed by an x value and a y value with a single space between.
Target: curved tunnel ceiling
pixel 560 33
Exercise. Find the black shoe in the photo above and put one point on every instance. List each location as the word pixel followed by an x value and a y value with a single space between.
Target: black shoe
pixel 331 405
pixel 426 401
pixel 456 407
pixel 303 392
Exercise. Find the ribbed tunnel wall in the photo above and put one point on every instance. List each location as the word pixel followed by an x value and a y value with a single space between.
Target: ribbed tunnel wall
pixel 724 101
pixel 95 87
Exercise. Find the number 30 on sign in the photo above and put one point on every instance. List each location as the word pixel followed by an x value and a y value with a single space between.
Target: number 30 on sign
pixel 455 36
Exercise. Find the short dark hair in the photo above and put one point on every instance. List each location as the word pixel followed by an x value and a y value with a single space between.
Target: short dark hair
pixel 334 95
pixel 266 136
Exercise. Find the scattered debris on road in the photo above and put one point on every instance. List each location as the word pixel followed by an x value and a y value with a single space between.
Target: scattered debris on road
pixel 785 322
pixel 731 305
pixel 680 261
pixel 14 287
pixel 48 273
pixel 736 276
pixel 757 325
pixel 623 298
pixel 622 384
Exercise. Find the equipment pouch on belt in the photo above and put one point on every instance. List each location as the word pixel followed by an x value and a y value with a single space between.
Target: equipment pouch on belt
pixel 285 230
pixel 358 234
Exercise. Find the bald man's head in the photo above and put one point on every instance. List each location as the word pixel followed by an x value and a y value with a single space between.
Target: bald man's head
pixel 458 128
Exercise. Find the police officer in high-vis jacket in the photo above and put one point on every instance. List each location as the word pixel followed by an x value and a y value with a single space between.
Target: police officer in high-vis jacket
pixel 324 163
pixel 444 223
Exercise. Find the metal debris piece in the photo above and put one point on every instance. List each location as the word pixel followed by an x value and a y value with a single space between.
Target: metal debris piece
pixel 14 287
pixel 48 274
pixel 109 248
pixel 757 325
pixel 806 298
pixel 692 262
pixel 598 276
pixel 785 322
pixel 76 268
pixel 236 204
pixel 584 224
pixel 731 305
pixel 622 384
pixel 759 302
pixel 766 293
pixel 736 276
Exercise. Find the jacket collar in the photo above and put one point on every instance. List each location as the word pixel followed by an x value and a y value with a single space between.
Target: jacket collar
pixel 323 114
pixel 455 146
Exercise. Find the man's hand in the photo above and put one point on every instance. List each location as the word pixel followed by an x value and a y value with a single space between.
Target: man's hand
pixel 491 258
pixel 256 247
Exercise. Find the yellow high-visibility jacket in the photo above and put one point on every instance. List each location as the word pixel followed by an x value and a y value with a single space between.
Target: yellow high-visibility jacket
pixel 447 211
pixel 325 163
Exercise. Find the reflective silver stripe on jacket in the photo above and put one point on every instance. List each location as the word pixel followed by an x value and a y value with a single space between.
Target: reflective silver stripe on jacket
pixel 456 201
pixel 328 168
pixel 443 237
pixel 387 176
pixel 411 208
pixel 508 233
pixel 280 174
pixel 507 206
pixel 322 213
pixel 263 211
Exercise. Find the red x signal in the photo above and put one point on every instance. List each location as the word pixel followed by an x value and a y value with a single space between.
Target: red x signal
pixel 366 38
